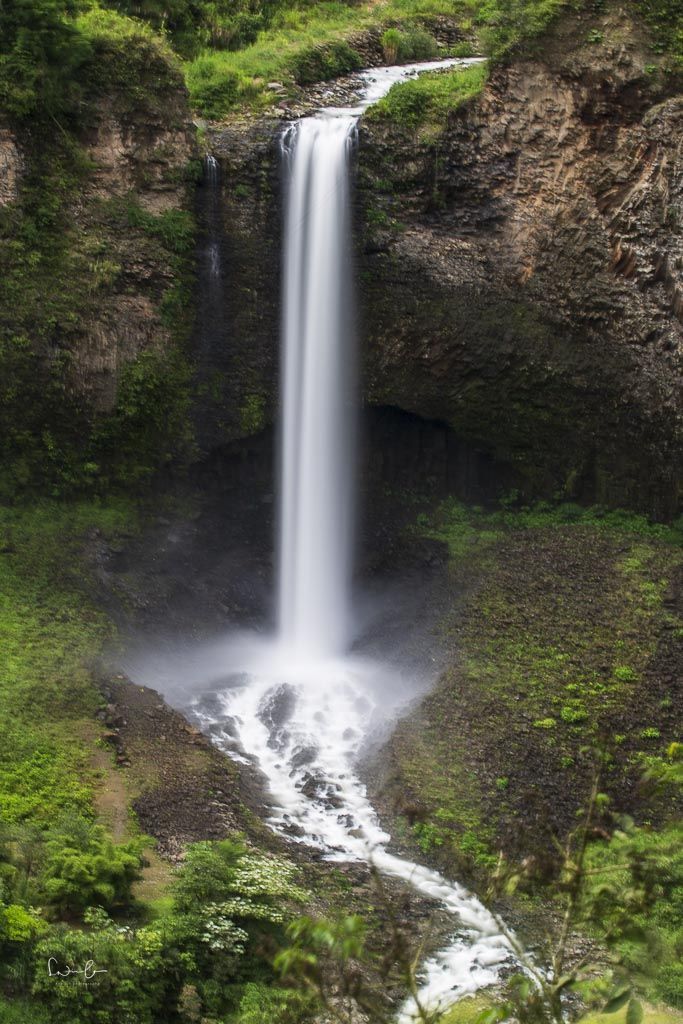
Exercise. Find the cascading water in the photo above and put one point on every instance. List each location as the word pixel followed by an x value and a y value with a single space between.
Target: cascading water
pixel 213 184
pixel 317 373
pixel 299 706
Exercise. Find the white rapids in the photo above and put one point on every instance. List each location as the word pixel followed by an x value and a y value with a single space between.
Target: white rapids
pixel 303 725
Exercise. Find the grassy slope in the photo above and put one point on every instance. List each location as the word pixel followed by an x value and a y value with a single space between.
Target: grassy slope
pixel 220 81
pixel 468 1010
pixel 569 639
pixel 49 633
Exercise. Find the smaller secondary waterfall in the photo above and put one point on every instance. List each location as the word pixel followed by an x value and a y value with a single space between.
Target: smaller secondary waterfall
pixel 298 706
pixel 212 177
pixel 318 414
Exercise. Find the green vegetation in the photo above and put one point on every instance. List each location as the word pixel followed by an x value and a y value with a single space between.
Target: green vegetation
pixel 425 103
pixel 206 953
pixel 645 872
pixel 414 45
pixel 559 646
pixel 49 632
pixel 66 887
pixel 665 19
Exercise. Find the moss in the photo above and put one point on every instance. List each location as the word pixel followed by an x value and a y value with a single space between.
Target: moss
pixel 56 273
pixel 252 416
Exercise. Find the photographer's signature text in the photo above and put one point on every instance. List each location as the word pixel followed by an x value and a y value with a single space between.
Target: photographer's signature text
pixel 88 971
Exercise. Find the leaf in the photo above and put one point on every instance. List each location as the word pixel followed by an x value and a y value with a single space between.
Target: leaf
pixel 618 1001
pixel 634 1014
pixel 494 1015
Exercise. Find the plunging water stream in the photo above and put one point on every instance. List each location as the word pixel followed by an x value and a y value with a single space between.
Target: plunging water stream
pixel 300 706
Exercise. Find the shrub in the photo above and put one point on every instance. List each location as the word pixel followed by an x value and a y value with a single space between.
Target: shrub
pixel 390 42
pixel 140 975
pixel 41 53
pixel 275 1005
pixel 213 88
pixel 83 867
pixel 402 47
pixel 320 63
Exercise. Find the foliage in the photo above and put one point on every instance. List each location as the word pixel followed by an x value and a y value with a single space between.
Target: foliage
pixel 635 885
pixel 83 868
pixel 319 63
pixel 228 902
pixel 425 102
pixel 41 54
pixel 626 890
pixel 196 24
pixel 141 972
pixel 208 955
pixel 273 1004
pixel 413 45
pixel 49 632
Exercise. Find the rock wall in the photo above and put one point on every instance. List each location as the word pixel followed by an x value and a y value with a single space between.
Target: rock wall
pixel 96 280
pixel 237 324
pixel 522 272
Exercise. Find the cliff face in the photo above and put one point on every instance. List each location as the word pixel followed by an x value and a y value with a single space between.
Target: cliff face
pixel 237 324
pixel 139 159
pixel 96 247
pixel 522 272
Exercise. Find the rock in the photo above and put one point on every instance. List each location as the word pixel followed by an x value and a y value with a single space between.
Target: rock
pixel 544 314
pixel 11 168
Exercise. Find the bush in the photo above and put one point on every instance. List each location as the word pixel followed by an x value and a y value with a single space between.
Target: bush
pixel 213 89
pixel 139 979
pixel 83 867
pixel 320 63
pixel 403 47
pixel 275 1005
pixel 40 55
pixel 391 41
pixel 427 101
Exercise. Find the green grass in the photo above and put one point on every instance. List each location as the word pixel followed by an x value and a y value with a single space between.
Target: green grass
pixel 470 530
pixel 50 633
pixel 219 81
pixel 427 101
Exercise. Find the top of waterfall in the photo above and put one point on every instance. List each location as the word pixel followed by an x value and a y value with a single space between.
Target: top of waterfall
pixel 376 82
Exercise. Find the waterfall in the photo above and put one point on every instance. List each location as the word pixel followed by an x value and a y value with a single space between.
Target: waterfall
pixel 317 427
pixel 298 705
pixel 213 184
